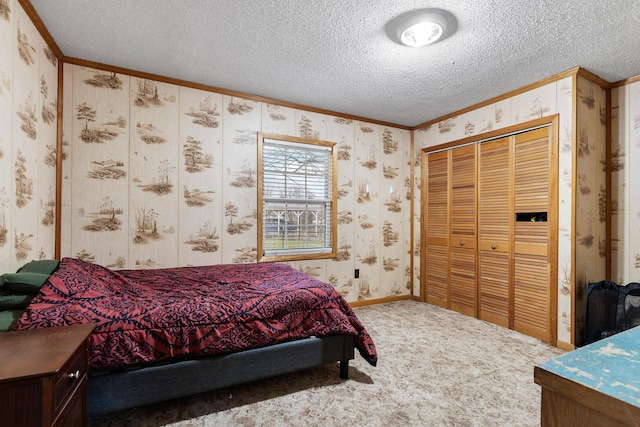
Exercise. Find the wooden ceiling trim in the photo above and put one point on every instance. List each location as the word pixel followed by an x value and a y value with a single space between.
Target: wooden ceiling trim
pixel 170 80
pixel 42 29
pixel 560 76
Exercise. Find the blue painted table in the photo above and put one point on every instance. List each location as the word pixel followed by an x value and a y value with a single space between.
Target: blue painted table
pixel 595 385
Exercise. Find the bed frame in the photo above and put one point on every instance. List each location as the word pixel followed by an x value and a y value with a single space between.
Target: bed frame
pixel 128 389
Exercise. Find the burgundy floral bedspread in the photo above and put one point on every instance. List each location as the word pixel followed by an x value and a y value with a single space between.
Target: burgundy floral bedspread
pixel 154 315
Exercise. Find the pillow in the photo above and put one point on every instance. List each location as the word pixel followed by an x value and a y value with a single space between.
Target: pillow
pixel 8 318
pixel 14 302
pixel 23 282
pixel 42 266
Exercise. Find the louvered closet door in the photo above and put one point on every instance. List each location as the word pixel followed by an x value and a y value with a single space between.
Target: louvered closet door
pixel 437 219
pixel 495 210
pixel 532 298
pixel 463 230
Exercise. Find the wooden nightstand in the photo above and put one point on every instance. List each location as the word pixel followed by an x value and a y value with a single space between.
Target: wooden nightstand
pixel 43 377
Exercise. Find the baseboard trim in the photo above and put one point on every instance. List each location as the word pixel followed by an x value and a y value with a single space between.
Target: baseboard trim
pixel 379 301
pixel 565 346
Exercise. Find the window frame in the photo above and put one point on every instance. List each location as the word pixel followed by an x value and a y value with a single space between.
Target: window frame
pixel 305 253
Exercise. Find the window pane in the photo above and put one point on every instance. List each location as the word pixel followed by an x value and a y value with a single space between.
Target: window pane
pixel 296 225
pixel 296 199
pixel 296 173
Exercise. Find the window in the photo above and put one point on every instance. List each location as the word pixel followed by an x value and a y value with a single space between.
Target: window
pixel 297 215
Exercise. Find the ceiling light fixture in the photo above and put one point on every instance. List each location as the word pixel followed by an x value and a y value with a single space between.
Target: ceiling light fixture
pixel 421 27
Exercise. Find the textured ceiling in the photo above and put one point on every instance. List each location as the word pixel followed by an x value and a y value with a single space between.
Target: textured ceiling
pixel 335 55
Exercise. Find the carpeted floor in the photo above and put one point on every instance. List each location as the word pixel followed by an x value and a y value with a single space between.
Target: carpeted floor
pixel 436 368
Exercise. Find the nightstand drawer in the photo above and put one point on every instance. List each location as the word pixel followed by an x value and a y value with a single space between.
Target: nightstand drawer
pixel 68 378
pixel 73 415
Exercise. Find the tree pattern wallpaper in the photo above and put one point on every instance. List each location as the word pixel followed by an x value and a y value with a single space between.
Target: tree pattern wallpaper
pixel 625 176
pixel 160 175
pixel 28 127
pixel 590 194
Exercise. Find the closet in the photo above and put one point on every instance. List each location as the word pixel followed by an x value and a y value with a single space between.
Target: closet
pixel 489 229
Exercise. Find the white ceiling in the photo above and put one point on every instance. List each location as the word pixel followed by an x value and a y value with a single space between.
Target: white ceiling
pixel 335 55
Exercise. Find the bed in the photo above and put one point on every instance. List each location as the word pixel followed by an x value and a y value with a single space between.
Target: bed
pixel 167 333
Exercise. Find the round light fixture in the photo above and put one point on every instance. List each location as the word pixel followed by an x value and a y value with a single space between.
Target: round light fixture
pixel 421 30
pixel 421 27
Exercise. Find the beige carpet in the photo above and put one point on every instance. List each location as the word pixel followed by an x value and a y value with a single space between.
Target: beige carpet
pixel 436 368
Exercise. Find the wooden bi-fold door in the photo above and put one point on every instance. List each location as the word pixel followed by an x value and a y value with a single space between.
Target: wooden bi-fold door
pixel 462 236
pixel 517 233
pixel 534 235
pixel 437 229
pixel 494 231
pixel 451 229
